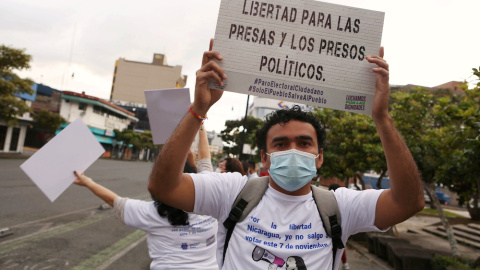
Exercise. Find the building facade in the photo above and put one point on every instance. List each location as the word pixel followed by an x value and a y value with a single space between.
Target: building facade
pixel 101 116
pixel 140 111
pixel 260 106
pixel 215 143
pixel 47 98
pixel 131 78
pixel 12 138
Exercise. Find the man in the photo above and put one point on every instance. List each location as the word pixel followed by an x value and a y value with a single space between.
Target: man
pixel 252 171
pixel 285 223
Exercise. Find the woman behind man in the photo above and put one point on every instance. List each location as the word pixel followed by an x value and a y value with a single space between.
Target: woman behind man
pixel 204 162
pixel 231 165
pixel 176 239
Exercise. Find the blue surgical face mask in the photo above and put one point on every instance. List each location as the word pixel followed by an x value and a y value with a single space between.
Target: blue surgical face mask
pixel 292 169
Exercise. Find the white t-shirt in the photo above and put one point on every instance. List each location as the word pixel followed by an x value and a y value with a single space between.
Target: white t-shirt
pixel 281 230
pixel 173 247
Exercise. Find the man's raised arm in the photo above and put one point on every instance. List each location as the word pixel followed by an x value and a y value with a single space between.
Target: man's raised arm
pixel 405 196
pixel 167 181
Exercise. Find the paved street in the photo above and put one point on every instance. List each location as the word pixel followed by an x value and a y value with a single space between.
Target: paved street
pixel 72 232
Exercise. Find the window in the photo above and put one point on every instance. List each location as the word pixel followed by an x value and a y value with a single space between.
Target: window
pixel 97 109
pixel 82 106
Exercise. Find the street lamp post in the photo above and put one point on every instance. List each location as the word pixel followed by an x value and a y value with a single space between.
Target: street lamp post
pixel 242 141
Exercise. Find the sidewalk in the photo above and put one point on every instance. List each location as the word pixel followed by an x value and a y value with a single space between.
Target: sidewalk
pixel 27 152
pixel 412 230
pixel 359 258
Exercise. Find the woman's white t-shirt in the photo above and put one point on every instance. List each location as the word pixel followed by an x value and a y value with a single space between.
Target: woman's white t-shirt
pixel 173 247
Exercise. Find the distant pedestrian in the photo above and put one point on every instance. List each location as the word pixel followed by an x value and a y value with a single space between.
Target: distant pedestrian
pixel 252 170
pixel 204 163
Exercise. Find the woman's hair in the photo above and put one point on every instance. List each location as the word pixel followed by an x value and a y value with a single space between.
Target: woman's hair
pixel 234 165
pixel 333 187
pixel 176 217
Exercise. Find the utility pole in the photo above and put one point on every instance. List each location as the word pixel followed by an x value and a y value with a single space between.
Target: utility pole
pixel 242 141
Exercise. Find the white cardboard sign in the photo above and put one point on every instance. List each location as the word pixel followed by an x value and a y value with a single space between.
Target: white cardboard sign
pixel 166 108
pixel 302 51
pixel 51 168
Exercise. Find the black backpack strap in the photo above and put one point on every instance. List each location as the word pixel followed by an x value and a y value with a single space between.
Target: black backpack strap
pixel 246 200
pixel 330 214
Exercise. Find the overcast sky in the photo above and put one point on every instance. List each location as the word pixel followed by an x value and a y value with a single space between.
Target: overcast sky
pixel 427 42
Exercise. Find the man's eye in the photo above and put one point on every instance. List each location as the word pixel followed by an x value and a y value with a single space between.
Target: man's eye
pixel 305 143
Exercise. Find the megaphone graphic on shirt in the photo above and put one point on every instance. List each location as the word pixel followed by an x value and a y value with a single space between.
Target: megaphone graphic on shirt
pixel 265 255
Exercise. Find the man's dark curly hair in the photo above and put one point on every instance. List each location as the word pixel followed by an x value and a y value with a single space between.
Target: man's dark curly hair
pixel 176 217
pixel 282 117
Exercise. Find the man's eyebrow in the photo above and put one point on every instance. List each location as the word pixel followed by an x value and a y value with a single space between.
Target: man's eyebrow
pixel 277 139
pixel 284 138
pixel 304 137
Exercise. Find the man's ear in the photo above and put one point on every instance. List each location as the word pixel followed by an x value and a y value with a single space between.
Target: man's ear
pixel 319 161
pixel 264 159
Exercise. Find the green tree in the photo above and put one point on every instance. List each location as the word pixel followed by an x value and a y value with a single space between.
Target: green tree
pixel 137 140
pixel 352 146
pixel 412 112
pixel 236 132
pixel 48 120
pixel 11 61
pixel 460 147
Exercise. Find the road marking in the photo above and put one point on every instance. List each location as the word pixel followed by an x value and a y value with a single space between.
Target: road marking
pixel 109 255
pixel 4 232
pixel 35 237
pixel 52 217
pixel 142 196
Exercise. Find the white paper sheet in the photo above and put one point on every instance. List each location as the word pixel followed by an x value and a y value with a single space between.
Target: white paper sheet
pixel 73 149
pixel 166 108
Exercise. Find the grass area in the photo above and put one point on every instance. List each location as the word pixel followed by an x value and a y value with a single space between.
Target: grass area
pixel 434 212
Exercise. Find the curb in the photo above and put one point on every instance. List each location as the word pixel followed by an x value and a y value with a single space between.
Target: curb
pixel 13 156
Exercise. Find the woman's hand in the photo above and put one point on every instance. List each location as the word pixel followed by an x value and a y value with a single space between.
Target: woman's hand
pixel 82 180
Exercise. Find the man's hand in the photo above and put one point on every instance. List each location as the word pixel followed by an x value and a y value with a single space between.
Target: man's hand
pixel 204 96
pixel 382 87
pixel 405 196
